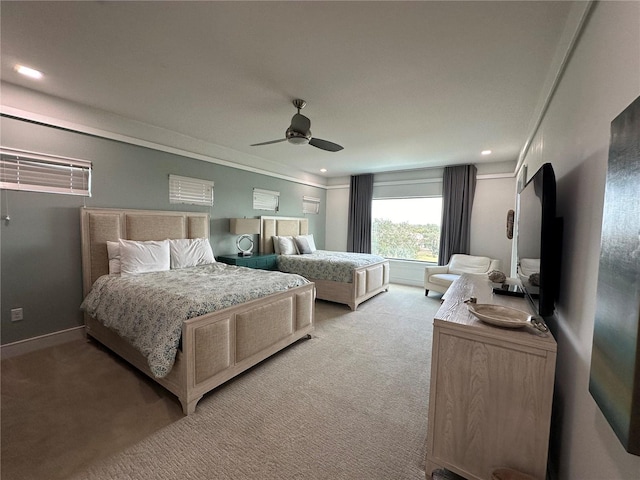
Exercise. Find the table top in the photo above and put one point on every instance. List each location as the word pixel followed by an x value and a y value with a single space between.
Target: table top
pixel 262 255
pixel 454 313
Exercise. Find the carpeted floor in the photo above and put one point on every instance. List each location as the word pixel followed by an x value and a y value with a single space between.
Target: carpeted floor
pixel 350 403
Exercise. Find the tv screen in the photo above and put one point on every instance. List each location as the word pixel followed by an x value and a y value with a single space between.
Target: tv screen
pixel 539 241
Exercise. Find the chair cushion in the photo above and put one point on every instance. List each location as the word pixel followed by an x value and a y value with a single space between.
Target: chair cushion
pixel 443 279
pixel 529 266
pixel 460 264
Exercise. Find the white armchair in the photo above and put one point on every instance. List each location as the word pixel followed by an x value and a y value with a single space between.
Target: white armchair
pixel 438 278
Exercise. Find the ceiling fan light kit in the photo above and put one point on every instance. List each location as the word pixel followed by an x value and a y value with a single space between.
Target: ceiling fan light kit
pixel 297 138
pixel 299 132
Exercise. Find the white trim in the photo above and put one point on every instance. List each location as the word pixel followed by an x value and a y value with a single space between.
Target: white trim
pixel 21 114
pixel 574 26
pixel 407 182
pixel 492 176
pixel 484 176
pixel 75 127
pixel 43 341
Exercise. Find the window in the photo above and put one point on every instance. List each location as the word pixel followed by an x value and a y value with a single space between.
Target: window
pixel 266 200
pixel 406 228
pixel 37 172
pixel 310 205
pixel 192 191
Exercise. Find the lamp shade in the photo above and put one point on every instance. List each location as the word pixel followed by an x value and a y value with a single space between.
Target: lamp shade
pixel 243 226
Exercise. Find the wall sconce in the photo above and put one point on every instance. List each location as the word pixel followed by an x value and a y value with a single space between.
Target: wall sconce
pixel 245 227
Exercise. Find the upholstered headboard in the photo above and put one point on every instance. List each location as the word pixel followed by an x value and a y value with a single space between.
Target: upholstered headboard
pixel 285 226
pixel 99 225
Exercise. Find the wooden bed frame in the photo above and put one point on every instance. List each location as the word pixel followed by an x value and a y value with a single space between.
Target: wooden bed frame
pixel 216 346
pixel 368 280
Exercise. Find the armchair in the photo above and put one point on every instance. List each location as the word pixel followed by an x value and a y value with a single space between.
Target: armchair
pixel 438 278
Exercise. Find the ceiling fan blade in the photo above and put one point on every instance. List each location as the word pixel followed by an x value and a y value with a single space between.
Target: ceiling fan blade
pixel 325 145
pixel 269 143
pixel 300 123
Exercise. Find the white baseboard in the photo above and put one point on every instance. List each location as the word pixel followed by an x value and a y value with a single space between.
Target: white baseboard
pixel 37 343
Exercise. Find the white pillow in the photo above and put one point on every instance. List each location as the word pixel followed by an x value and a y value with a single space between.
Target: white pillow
pixel 144 257
pixel 305 243
pixel 113 250
pixel 189 252
pixel 287 246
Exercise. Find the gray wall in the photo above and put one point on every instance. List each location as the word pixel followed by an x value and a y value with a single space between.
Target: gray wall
pixel 493 199
pixel 601 80
pixel 40 268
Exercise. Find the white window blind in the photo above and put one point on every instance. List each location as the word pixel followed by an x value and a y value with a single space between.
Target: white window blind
pixel 192 191
pixel 39 172
pixel 266 200
pixel 310 205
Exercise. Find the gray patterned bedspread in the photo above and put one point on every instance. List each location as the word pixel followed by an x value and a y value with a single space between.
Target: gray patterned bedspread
pixel 326 265
pixel 148 309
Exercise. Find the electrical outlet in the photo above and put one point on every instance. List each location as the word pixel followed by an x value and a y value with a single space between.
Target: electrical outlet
pixel 16 314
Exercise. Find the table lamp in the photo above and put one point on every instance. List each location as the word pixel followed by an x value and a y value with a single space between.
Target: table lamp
pixel 245 227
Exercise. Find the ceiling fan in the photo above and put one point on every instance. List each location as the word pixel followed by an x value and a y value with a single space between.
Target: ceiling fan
pixel 299 132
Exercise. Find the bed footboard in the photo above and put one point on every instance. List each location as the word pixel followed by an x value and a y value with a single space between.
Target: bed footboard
pixel 368 281
pixel 218 346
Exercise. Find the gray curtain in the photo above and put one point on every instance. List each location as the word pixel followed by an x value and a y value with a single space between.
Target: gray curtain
pixel 458 189
pixel 360 199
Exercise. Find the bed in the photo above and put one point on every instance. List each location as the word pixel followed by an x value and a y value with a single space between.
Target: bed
pixel 367 279
pixel 214 347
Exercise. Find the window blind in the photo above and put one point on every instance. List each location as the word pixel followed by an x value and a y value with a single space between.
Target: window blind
pixel 266 200
pixel 310 205
pixel 192 191
pixel 38 172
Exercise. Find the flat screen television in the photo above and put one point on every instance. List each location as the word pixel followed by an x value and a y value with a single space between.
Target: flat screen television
pixel 539 241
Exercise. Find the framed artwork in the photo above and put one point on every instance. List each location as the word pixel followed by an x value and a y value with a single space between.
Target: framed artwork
pixel 614 379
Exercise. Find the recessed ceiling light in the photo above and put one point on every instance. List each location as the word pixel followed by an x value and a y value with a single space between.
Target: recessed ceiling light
pixel 485 152
pixel 323 170
pixel 29 72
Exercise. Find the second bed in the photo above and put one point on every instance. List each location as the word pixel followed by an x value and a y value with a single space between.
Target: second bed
pixel 341 277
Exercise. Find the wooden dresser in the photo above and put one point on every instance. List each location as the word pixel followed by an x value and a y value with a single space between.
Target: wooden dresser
pixel 491 389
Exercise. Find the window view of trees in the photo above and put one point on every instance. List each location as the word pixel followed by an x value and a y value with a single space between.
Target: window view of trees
pixel 407 228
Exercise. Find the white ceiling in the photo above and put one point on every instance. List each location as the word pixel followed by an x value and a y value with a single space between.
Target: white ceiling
pixel 401 85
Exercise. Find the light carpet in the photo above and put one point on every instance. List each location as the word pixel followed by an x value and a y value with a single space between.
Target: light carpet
pixel 350 403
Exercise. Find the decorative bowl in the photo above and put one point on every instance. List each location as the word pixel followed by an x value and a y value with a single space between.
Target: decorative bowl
pixel 500 316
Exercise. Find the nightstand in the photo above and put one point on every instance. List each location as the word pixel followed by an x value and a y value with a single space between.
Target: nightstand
pixel 268 261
